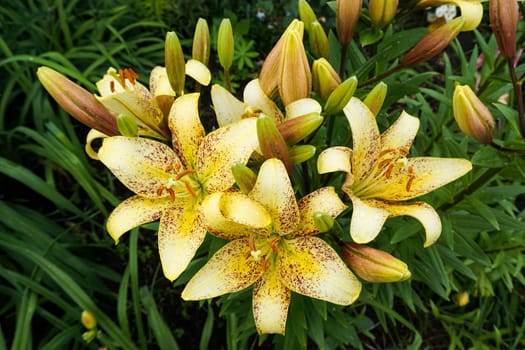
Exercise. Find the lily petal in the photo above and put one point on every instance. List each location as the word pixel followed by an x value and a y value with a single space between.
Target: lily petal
pixel 198 71
pixel 271 300
pixel 472 11
pixel 254 96
pixel 139 163
pixel 368 217
pixel 229 270
pixel 92 135
pixel 181 232
pixel 311 267
pixel 134 212
pixel 302 107
pixel 365 135
pixel 401 134
pixel 274 191
pixel 222 148
pixel 233 215
pixel 336 158
pixel 160 88
pixel 324 200
pixel 186 128
pixel 228 108
pixel 421 175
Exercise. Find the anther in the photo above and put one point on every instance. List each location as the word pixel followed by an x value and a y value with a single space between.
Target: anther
pixel 264 265
pixel 112 86
pixel 184 173
pixel 160 190
pixel 172 194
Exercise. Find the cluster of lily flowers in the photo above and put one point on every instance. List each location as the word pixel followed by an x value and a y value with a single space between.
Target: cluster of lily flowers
pixel 234 182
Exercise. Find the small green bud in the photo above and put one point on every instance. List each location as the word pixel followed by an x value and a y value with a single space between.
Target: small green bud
pixel 324 78
pixel 306 14
pixel 295 129
pixel 89 336
pixel 323 221
pixel 127 125
pixel 225 44
pixel 271 141
pixel 375 98
pixel 461 298
pixel 339 98
pixel 301 153
pixel 244 177
pixel 318 40
pixel 175 63
pixel 201 42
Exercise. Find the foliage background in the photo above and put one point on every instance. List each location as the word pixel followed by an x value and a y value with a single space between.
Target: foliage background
pixel 57 260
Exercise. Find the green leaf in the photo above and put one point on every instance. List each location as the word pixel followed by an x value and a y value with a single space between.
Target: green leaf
pixel 483 210
pixel 370 36
pixel 489 157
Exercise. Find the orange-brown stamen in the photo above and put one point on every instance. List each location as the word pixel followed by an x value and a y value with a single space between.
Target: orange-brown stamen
pixel 273 243
pixel 184 173
pixel 190 189
pixel 112 86
pixel 172 194
pixel 160 190
pixel 264 265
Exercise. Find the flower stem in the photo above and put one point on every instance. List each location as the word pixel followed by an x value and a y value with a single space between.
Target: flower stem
pixel 518 95
pixel 227 80
pixel 342 62
pixel 381 76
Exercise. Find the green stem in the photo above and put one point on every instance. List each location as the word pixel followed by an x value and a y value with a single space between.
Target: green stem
pixel 227 80
pixel 381 76
pixel 519 96
pixel 342 62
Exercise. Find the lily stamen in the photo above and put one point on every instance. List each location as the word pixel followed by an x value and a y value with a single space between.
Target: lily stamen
pixel 172 194
pixel 190 189
pixel 184 173
pixel 160 190
pixel 273 243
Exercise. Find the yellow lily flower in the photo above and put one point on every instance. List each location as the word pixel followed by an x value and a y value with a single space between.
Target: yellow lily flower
pixel 380 177
pixel 171 184
pixel 471 10
pixel 272 247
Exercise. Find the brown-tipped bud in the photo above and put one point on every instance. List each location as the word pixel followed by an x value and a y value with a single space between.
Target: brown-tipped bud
pixel 225 44
pixel 88 320
pixel 433 43
pixel 77 101
pixel 340 96
pixel 201 42
pixel 295 129
pixel 374 265
pixel 271 142
pixel 323 222
pixel 324 78
pixel 127 125
pixel 175 63
pixel 318 40
pixel 301 153
pixel 347 14
pixel 382 11
pixel 472 116
pixel 504 15
pixel 375 98
pixel 306 14
pixel 461 298
pixel 244 177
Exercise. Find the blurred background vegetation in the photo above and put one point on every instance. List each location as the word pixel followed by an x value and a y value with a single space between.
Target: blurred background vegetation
pixel 57 260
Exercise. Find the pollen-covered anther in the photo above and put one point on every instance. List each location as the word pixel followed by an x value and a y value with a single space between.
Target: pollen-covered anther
pixel 411 178
pixel 171 167
pixel 160 190
pixel 184 173
pixel 171 193
pixel 129 74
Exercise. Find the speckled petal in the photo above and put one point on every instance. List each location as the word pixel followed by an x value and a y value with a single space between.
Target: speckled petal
pixel 311 267
pixel 139 163
pixel 198 71
pixel 181 232
pixel 335 159
pixel 255 97
pixel 222 148
pixel 324 200
pixel 231 269
pixel 365 135
pixel 419 176
pixel 401 134
pixel 228 108
pixel 274 191
pixel 233 215
pixel 186 128
pixel 368 217
pixel 271 300
pixel 302 107
pixel 158 82
pixel 134 212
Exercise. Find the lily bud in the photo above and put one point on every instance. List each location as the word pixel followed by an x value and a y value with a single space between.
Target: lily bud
pixel 504 15
pixel 375 98
pixel 374 265
pixel 461 298
pixel 324 78
pixel 318 40
pixel 225 44
pixel 347 14
pixel 323 222
pixel 306 13
pixel 301 153
pixel 175 63
pixel 472 116
pixel 340 97
pixel 78 102
pixel 382 11
pixel 433 43
pixel 295 129
pixel 127 126
pixel 271 142
pixel 201 42
pixel 244 177
pixel 89 336
pixel 88 320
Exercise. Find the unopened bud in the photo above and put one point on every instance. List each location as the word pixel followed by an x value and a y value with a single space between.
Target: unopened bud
pixel 472 116
pixel 306 13
pixel 374 265
pixel 382 11
pixel 339 98
pixel 347 14
pixel 89 336
pixel 318 40
pixel 271 142
pixel 295 129
pixel 433 43
pixel 175 63
pixel 78 102
pixel 324 78
pixel 301 153
pixel 127 125
pixel 323 222
pixel 461 298
pixel 244 177
pixel 201 42
pixel 375 98
pixel 504 15
pixel 88 320
pixel 225 44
